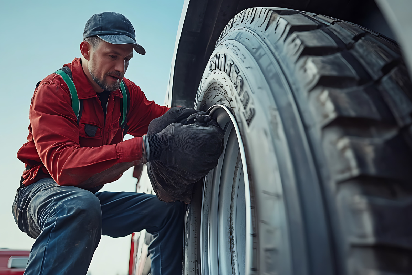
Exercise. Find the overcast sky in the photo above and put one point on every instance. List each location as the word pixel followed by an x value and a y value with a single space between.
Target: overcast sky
pixel 37 38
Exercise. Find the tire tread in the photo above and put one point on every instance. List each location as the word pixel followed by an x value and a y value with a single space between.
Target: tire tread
pixel 360 96
pixel 355 81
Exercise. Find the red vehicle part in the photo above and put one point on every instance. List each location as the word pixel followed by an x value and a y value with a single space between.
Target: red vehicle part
pixel 13 262
pixel 131 257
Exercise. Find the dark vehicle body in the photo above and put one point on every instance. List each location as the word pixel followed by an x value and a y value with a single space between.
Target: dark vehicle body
pixel 205 20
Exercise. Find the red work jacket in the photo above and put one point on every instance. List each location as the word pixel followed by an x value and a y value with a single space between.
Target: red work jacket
pixel 58 146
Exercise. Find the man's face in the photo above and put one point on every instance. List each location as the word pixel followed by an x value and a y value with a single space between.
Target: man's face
pixel 108 64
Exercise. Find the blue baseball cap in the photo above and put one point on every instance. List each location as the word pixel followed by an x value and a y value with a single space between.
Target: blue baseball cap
pixel 112 27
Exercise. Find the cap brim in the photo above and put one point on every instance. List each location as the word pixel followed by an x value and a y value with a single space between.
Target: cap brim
pixel 122 39
pixel 139 49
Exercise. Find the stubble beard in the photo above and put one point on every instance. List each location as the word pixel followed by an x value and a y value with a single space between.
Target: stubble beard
pixel 101 82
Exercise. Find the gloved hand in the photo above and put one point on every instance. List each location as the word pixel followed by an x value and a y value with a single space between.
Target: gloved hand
pixel 174 180
pixel 200 118
pixel 193 148
pixel 174 115
pixel 170 184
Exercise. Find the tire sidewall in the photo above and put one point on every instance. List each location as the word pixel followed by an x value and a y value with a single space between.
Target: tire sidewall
pixel 229 79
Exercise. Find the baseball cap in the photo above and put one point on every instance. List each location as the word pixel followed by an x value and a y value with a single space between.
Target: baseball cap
pixel 112 27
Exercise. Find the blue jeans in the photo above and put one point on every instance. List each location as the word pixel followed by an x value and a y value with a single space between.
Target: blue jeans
pixel 67 223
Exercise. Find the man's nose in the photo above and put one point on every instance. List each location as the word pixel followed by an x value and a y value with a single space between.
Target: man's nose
pixel 121 66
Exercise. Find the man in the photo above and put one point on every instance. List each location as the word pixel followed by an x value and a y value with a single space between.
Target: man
pixel 68 158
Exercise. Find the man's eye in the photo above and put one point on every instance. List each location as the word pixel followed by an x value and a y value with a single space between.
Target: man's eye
pixel 113 56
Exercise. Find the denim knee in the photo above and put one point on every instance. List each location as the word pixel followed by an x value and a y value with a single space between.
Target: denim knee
pixel 71 205
pixel 84 206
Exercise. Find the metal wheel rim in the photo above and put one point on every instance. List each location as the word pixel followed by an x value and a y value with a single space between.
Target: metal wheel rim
pixel 226 217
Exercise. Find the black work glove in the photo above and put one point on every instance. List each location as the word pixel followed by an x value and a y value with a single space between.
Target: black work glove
pixel 193 148
pixel 173 115
pixel 175 182
pixel 199 118
pixel 170 184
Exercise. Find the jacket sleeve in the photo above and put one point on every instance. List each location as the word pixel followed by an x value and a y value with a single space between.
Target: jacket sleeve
pixel 56 137
pixel 141 111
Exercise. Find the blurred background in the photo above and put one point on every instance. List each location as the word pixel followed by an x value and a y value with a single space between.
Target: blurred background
pixel 37 38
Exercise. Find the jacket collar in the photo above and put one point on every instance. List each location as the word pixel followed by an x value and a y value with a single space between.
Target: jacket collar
pixel 84 88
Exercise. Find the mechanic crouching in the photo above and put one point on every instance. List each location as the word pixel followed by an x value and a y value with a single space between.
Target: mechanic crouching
pixel 78 118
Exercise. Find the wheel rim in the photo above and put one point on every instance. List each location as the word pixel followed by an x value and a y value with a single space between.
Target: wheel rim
pixel 226 214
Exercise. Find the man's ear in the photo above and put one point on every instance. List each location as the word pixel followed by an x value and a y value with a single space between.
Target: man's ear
pixel 85 48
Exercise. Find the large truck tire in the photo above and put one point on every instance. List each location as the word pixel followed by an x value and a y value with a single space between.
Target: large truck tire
pixel 316 174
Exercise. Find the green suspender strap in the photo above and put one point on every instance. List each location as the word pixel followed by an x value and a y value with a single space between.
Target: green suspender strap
pixel 124 93
pixel 73 92
pixel 76 101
